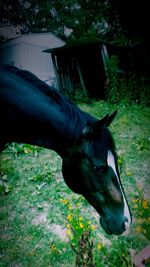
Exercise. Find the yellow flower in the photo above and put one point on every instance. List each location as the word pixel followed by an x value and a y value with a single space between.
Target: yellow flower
pixel 99 246
pixel 93 227
pixel 69 217
pixel 68 232
pixel 81 225
pixel 53 248
pixel 148 219
pixel 68 226
pixel 64 201
pixel 71 237
pixel 145 204
pixel 140 220
pixel 135 200
pixel 128 173
pixel 70 207
pixel 80 219
pixel 138 229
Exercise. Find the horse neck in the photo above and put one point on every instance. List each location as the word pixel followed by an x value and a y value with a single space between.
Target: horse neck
pixel 74 122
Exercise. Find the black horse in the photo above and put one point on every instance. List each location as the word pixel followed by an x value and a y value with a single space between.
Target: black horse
pixel 33 112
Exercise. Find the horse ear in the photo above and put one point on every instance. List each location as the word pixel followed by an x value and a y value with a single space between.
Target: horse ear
pixel 106 121
pixel 110 118
pixel 95 128
pixel 103 121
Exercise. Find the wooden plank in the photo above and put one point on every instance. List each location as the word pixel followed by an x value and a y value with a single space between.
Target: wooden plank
pixel 81 79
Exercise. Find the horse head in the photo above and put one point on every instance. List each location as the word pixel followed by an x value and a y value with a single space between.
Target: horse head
pixel 91 169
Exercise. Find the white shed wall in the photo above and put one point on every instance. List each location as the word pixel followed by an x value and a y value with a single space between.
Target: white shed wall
pixel 26 52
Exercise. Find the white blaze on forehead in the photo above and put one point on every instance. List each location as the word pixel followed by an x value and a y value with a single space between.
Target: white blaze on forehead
pixel 111 163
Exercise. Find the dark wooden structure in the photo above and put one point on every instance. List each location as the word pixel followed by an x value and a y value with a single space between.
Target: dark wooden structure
pixel 81 65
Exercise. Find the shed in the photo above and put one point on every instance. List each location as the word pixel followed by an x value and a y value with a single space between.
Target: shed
pixel 81 64
pixel 26 52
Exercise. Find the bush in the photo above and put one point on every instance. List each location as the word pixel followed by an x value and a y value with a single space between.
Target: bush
pixel 122 87
pixel 77 96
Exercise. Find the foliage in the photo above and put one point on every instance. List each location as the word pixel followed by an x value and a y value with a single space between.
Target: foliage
pixel 121 88
pixel 23 148
pixel 83 17
pixel 4 187
pixel 79 233
pixel 142 207
pixel 78 15
pixel 77 96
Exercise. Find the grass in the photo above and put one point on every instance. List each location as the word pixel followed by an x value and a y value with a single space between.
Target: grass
pixel 43 223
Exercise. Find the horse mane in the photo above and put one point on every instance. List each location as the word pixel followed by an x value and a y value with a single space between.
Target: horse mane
pixel 77 118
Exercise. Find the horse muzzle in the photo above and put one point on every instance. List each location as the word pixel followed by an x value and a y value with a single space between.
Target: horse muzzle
pixel 115 227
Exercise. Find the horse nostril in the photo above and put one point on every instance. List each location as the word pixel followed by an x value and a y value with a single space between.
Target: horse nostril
pixel 126 224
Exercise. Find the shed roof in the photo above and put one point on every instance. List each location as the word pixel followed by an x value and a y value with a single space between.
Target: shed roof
pixel 45 40
pixel 75 45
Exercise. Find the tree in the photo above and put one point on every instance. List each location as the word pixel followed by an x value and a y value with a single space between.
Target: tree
pixel 79 15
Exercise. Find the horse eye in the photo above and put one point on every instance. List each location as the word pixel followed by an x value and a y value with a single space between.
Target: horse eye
pixel 99 169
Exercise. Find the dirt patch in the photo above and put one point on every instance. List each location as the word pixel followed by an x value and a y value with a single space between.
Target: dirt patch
pixel 41 219
pixel 54 228
pixel 59 231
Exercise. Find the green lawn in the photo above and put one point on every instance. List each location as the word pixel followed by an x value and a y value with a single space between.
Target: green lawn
pixel 42 221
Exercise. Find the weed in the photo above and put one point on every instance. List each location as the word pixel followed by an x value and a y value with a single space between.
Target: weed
pixel 16 149
pixel 142 208
pixel 4 186
pixel 79 230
